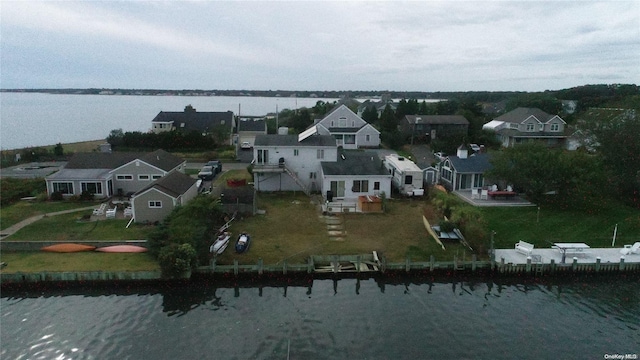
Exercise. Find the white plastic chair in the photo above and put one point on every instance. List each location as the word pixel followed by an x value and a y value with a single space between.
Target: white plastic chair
pixel 475 193
pixel 111 213
pixel 509 188
pixel 484 195
pixel 631 249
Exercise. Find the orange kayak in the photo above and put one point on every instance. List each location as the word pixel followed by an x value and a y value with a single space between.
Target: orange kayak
pixel 122 249
pixel 68 248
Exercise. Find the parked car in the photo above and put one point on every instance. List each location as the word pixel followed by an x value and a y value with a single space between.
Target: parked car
pixel 206 173
pixel 440 156
pixel 245 145
pixel 474 147
pixel 216 165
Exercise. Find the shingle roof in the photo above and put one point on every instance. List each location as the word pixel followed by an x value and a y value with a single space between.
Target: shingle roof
pixel 437 119
pixel 198 121
pixel 477 163
pixel 252 125
pixel 520 114
pixel 355 162
pixel 174 184
pixel 99 160
pixel 292 140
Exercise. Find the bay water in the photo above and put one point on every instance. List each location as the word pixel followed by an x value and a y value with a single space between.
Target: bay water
pixel 40 119
pixel 392 317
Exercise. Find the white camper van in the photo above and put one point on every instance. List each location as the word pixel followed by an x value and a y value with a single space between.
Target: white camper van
pixel 406 176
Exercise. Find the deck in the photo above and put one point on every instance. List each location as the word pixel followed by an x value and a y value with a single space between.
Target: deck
pixel 546 255
pixel 511 201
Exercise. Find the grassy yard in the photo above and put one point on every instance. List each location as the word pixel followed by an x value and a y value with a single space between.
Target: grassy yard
pixel 19 211
pixel 292 229
pixel 69 227
pixel 548 226
pixel 84 261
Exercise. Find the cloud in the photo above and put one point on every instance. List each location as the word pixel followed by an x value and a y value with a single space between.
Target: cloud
pixel 431 46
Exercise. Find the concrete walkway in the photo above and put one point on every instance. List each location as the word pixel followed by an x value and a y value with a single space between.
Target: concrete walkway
pixel 14 228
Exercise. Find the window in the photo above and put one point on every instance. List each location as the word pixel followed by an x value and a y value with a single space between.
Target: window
pixel 331 123
pixel 320 154
pixel 376 185
pixel 408 180
pixel 124 177
pixel 530 126
pixel 63 187
pixel 312 175
pixel 555 127
pixel 342 122
pixel 360 186
pixel 349 139
pixel 368 137
pixel 143 177
pixel 296 152
pixel 155 204
pixel 92 187
pixel 156 177
pixel 263 156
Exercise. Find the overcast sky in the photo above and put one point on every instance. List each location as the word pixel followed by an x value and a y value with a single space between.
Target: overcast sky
pixel 318 45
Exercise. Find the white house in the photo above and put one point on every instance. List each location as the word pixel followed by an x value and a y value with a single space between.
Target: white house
pixel 349 130
pixel 291 162
pixel 355 173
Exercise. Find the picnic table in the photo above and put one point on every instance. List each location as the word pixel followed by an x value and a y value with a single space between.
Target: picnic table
pixel 501 193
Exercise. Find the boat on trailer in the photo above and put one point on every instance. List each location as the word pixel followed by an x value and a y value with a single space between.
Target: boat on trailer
pixel 243 242
pixel 221 243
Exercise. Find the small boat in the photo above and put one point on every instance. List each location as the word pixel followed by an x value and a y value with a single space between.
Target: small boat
pixel 221 243
pixel 68 248
pixel 243 242
pixel 122 249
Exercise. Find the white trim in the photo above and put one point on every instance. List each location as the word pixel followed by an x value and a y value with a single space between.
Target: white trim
pixel 121 177
pixel 148 177
pixel 154 204
pixel 92 182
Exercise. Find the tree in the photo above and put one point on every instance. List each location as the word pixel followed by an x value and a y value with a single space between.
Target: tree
pixel 370 114
pixel 177 259
pixel 388 121
pixel 302 120
pixel 115 138
pixel 58 150
pixel 618 146
pixel 543 101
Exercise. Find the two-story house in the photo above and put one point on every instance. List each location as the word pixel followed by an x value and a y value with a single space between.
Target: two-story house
pixel 312 162
pixel 108 174
pixel 221 125
pixel 528 124
pixel 430 126
pixel 349 130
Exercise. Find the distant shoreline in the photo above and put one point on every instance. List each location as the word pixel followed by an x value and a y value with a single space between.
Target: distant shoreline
pixel 78 146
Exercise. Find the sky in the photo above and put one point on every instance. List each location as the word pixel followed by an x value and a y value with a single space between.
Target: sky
pixel 319 45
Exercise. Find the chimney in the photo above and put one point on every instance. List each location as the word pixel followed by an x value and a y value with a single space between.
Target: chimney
pixel 462 152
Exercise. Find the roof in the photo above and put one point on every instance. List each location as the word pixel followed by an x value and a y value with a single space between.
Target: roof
pixel 437 119
pixel 173 184
pixel 292 140
pixel 99 160
pixel 478 163
pixel 521 114
pixel 355 162
pixel 79 174
pixel 193 120
pixel 252 125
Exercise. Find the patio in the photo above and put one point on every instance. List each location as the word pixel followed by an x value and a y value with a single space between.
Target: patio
pixel 516 200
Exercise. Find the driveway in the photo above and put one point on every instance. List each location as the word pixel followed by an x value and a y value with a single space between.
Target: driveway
pixel 423 156
pixel 32 170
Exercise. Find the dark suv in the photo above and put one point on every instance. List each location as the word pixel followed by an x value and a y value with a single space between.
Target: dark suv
pixel 216 165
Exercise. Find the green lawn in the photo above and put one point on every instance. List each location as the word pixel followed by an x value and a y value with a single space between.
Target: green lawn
pixel 548 226
pixel 21 210
pixel 83 261
pixel 69 227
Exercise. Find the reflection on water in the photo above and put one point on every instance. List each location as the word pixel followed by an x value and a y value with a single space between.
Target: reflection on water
pixel 369 318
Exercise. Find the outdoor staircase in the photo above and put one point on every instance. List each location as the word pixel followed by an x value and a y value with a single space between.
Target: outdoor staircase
pixel 298 181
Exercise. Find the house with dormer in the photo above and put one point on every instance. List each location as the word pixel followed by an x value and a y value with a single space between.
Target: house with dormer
pixel 528 124
pixel 349 129
pixel 108 174
pixel 464 171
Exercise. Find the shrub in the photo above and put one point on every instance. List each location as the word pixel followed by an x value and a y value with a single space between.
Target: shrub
pixel 86 196
pixel 57 196
pixel 175 260
pixel 447 226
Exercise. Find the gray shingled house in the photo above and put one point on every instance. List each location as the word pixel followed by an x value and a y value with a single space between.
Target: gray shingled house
pixel 221 125
pixel 431 126
pixel 108 174
pixel 156 200
pixel 464 172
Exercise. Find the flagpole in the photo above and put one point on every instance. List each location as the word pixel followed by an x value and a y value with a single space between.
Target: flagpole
pixel 615 231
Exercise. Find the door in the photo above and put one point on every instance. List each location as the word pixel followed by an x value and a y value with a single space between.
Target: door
pixel 263 157
pixel 337 187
